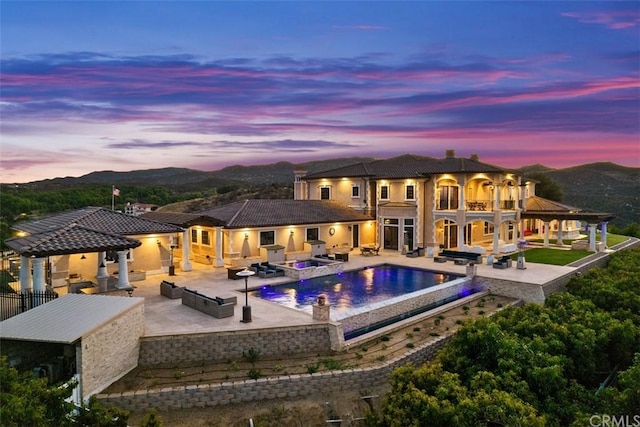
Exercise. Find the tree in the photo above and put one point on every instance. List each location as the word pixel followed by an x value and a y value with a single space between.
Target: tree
pixel 547 187
pixel 29 401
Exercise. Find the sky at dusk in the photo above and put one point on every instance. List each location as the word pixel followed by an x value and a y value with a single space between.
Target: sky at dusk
pixel 91 86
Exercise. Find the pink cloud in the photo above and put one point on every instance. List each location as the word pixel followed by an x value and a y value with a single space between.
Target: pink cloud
pixel 613 19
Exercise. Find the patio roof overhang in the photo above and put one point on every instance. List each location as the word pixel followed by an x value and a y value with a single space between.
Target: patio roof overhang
pixel 590 217
pixel 72 239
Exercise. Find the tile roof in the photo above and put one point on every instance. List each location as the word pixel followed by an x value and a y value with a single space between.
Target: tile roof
pixel 97 219
pixel 71 239
pixel 408 166
pixel 182 219
pixel 536 203
pixel 541 208
pixel 279 212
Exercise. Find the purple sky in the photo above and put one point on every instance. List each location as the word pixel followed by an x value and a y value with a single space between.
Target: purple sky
pixel 89 86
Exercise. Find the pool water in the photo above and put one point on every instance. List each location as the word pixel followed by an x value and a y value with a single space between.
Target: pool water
pixel 352 289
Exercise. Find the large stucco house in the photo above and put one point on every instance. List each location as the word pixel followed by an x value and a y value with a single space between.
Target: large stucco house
pixel 396 204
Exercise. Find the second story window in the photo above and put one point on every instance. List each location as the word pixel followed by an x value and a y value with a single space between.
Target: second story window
pixel 325 193
pixel 384 192
pixel 448 197
pixel 355 192
pixel 410 192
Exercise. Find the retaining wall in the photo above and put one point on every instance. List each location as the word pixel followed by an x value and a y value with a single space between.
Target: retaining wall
pixel 269 388
pixel 220 346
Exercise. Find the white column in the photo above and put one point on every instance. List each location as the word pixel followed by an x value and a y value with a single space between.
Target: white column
pixel 123 270
pixel 560 236
pixel 25 275
pixel 230 240
pixel 592 237
pixel 546 234
pixel 219 252
pixel 39 284
pixel 102 265
pixel 496 238
pixel 603 234
pixel 186 251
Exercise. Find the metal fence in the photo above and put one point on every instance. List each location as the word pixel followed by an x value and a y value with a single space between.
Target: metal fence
pixel 13 303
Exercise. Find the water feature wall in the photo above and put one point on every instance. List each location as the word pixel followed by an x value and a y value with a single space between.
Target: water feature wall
pixel 326 269
pixel 398 307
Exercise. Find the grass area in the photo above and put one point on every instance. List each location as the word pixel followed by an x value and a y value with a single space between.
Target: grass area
pixel 612 239
pixel 553 256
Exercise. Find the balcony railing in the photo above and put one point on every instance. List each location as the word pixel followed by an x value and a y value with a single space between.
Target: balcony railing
pixel 479 205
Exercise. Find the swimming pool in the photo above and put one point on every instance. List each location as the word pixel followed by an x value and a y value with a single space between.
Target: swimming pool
pixel 354 289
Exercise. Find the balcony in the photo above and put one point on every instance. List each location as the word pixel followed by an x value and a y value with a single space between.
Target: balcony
pixel 478 205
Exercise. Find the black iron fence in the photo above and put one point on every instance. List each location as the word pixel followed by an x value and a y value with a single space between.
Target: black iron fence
pixel 14 303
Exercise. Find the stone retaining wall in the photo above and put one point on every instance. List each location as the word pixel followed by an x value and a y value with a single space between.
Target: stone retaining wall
pixel 220 346
pixel 207 395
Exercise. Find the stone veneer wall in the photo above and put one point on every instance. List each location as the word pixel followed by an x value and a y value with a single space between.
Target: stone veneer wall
pixel 111 351
pixel 206 395
pixel 378 312
pixel 220 346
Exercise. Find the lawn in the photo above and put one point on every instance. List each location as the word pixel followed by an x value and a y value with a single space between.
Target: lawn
pixel 612 239
pixel 553 256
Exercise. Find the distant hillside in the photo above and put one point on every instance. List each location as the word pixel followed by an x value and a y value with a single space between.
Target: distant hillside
pixel 602 187
pixel 282 172
pixel 191 179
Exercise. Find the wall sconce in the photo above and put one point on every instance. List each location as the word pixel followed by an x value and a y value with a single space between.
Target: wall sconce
pixel 159 242
pixel 83 257
pixel 291 233
pixel 349 227
pixel 246 235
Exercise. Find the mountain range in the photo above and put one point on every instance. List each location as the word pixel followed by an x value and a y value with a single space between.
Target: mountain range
pixel 602 187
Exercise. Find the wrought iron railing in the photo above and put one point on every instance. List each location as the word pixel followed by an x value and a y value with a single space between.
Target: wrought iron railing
pixel 14 303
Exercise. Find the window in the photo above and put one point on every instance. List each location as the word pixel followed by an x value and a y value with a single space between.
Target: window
pixel 384 192
pixel 267 238
pixel 312 234
pixel 355 192
pixel 205 237
pixel 488 228
pixel 325 193
pixel 448 199
pixel 194 235
pixel 410 192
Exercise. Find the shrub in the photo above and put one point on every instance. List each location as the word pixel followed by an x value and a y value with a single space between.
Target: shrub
pixel 254 373
pixel 252 355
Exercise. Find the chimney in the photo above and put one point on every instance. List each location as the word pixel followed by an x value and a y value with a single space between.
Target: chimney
pixel 475 157
pixel 450 154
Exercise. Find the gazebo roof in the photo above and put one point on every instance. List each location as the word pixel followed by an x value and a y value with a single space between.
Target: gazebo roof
pixel 69 240
pixel 90 229
pixel 549 210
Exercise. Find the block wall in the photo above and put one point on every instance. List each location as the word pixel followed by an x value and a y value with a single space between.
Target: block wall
pixel 269 388
pixel 225 345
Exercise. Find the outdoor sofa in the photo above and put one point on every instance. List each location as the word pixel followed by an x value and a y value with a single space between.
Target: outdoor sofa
pixel 212 306
pixel 170 290
pixel 503 262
